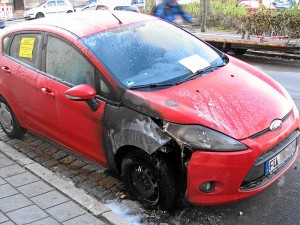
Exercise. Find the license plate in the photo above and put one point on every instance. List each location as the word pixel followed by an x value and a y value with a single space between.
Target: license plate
pixel 274 163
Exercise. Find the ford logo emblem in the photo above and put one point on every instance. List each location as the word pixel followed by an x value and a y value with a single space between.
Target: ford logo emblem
pixel 275 124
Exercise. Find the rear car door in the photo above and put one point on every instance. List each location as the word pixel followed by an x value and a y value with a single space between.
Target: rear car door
pixel 66 67
pixel 21 68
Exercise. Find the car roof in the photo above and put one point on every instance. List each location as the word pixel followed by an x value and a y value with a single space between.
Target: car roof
pixel 85 23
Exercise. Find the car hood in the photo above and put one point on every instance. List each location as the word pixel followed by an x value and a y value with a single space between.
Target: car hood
pixel 237 100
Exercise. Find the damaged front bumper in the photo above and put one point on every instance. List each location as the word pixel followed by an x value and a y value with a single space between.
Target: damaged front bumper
pixel 223 177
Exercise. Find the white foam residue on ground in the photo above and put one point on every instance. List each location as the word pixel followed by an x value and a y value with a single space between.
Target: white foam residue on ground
pixel 129 210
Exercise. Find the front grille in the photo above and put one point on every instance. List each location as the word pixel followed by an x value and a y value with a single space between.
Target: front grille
pixel 268 129
pixel 257 176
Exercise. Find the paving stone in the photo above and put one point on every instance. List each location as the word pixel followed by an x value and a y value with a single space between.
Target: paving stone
pixel 85 219
pixel 11 171
pixel 98 191
pixel 34 189
pixel 67 160
pixel 69 173
pixel 4 162
pixel 59 155
pixel 96 176
pixel 31 154
pixel 48 221
pixel 49 199
pixel 87 184
pixel 8 223
pixel 77 164
pixel 27 215
pixel 79 178
pixel 3 218
pixel 65 211
pixel 88 169
pixel 37 143
pixel 7 190
pixel 22 179
pixel 50 163
pixel 59 168
pixel 2 181
pixel 14 202
pixel 108 182
pixel 51 150
pixel 24 150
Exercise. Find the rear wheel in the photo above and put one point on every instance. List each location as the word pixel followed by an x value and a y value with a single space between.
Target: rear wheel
pixel 152 180
pixel 9 122
pixel 40 15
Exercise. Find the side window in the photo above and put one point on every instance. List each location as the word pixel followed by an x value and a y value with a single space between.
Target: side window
pixel 65 62
pixel 61 3
pixel 26 48
pixel 51 4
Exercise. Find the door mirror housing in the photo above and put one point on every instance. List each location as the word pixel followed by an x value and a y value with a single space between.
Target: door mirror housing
pixel 83 92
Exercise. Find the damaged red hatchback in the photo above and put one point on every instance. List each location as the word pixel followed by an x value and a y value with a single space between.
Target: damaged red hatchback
pixel 141 96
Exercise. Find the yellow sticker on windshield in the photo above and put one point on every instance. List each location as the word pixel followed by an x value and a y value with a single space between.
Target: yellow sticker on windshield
pixel 26 47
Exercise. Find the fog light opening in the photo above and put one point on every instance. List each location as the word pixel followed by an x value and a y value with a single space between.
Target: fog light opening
pixel 207 187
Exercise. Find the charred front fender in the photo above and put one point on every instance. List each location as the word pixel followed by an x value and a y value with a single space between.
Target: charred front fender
pixel 126 127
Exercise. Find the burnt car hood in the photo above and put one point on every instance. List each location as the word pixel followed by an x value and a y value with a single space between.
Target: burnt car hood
pixel 237 100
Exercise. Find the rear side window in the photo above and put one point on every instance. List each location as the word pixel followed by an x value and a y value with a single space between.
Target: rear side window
pixel 26 48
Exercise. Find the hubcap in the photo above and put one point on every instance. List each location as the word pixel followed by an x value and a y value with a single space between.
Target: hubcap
pixel 6 119
pixel 145 183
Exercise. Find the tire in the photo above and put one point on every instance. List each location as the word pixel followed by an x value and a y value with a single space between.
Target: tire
pixel 69 11
pixel 9 122
pixel 151 180
pixel 39 15
pixel 239 51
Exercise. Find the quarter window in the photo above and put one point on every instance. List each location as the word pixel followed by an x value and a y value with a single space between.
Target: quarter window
pixel 66 63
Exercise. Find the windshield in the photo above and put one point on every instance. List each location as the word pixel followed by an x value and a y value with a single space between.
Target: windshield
pixel 151 52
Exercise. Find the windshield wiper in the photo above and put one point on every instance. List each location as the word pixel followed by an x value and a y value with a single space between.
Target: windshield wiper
pixel 200 72
pixel 151 85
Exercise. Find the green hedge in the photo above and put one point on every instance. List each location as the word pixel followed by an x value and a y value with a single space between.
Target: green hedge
pixel 223 14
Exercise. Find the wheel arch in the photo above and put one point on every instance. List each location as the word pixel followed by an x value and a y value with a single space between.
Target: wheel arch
pixel 16 110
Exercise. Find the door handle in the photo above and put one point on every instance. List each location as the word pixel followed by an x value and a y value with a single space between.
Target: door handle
pixel 6 69
pixel 48 92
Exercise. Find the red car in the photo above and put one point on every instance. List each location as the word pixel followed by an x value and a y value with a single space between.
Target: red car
pixel 174 116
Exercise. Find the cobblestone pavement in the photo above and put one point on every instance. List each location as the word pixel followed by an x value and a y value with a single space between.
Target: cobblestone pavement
pixel 97 181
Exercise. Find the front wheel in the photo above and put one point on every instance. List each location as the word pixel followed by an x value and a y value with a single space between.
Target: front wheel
pixel 9 122
pixel 151 180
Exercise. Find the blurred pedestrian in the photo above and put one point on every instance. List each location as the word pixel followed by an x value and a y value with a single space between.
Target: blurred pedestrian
pixel 169 9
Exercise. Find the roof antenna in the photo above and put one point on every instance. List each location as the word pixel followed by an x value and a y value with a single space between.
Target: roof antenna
pixel 120 22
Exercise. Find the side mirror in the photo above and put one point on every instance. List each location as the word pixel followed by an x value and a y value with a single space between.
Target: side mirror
pixel 83 92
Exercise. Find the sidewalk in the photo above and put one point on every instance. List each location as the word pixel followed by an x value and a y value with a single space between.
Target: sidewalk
pixel 31 194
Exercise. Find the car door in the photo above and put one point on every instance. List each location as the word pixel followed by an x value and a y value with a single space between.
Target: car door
pixel 50 7
pixel 22 69
pixel 61 6
pixel 82 127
